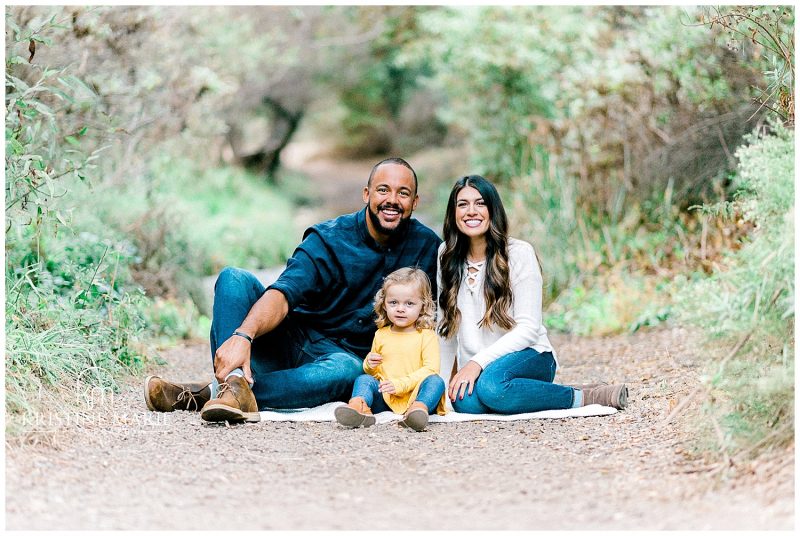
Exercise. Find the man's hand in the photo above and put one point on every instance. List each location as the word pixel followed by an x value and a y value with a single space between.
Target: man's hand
pixel 234 353
pixel 373 359
pixel 386 386
pixel 267 313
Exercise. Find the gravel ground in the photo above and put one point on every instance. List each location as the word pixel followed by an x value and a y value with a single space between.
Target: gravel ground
pixel 118 466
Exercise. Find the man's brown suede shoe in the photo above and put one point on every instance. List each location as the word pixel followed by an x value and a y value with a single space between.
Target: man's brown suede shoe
pixel 161 395
pixel 416 417
pixel 615 396
pixel 356 413
pixel 235 402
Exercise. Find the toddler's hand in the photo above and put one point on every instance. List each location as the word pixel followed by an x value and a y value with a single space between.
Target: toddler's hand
pixel 373 359
pixel 387 386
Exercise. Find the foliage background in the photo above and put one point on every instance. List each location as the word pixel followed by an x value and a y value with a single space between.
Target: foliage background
pixel 647 153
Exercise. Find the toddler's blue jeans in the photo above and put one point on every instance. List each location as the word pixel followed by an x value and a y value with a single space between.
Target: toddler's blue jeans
pixel 430 392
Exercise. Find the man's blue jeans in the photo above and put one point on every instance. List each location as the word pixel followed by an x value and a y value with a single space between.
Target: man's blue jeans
pixel 430 392
pixel 293 366
pixel 519 382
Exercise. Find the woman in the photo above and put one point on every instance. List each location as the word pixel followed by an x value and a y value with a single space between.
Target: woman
pixel 490 315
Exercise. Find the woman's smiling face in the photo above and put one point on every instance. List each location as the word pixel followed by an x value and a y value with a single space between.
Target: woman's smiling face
pixel 472 214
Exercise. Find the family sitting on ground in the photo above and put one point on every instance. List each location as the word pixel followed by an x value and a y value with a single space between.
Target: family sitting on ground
pixel 309 338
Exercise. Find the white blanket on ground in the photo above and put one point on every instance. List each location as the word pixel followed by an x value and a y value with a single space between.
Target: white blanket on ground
pixel 324 413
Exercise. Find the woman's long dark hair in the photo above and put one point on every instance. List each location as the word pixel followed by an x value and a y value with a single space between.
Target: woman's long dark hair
pixel 497 283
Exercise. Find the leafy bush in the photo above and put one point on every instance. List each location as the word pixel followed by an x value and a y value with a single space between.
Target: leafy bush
pixel 769 29
pixel 752 297
pixel 624 98
pixel 72 311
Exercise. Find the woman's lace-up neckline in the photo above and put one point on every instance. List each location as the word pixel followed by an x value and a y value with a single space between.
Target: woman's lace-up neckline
pixel 474 272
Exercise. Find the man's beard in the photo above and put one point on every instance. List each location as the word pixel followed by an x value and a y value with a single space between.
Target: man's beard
pixel 397 230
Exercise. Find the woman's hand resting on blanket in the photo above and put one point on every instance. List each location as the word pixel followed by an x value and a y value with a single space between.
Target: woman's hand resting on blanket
pixel 463 381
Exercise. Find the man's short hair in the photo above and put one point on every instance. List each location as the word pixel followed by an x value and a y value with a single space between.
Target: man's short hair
pixel 394 160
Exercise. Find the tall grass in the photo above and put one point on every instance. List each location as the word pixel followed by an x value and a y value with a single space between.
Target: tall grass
pixel 50 343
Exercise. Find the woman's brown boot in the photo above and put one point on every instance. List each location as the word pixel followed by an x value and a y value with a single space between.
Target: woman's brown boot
pixel 584 386
pixel 416 417
pixel 615 396
pixel 356 413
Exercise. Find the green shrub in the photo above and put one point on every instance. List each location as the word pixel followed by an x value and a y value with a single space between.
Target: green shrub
pixel 753 295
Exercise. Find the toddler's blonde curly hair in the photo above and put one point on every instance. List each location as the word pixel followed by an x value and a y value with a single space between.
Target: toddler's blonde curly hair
pixel 405 276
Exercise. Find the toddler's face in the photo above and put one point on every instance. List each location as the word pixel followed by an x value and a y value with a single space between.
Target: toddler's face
pixel 403 305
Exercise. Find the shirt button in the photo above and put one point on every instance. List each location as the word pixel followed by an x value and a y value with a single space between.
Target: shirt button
pixel 360 321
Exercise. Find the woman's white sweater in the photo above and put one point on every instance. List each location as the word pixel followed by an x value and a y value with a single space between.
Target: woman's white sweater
pixel 484 345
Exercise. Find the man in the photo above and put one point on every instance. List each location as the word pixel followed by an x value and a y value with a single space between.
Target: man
pixel 301 341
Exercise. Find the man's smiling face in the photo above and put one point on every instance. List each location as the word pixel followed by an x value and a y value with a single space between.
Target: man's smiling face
pixel 391 198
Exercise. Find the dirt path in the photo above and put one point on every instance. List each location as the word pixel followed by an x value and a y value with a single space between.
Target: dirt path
pixel 121 467
pixel 111 464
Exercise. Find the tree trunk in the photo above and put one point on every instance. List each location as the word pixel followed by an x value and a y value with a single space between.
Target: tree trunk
pixel 266 158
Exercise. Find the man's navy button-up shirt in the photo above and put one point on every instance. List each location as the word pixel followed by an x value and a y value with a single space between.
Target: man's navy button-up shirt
pixel 331 279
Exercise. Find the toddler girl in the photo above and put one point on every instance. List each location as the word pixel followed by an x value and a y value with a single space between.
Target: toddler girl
pixel 402 368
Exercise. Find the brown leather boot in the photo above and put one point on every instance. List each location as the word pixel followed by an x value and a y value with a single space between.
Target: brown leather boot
pixel 356 413
pixel 615 396
pixel 416 417
pixel 235 402
pixel 161 395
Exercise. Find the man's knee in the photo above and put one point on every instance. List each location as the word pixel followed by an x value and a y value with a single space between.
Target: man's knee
pixel 230 275
pixel 236 283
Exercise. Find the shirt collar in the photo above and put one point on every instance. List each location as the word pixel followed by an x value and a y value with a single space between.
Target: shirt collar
pixel 363 232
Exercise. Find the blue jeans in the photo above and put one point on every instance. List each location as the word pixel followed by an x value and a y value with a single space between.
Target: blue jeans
pixel 430 392
pixel 519 382
pixel 293 366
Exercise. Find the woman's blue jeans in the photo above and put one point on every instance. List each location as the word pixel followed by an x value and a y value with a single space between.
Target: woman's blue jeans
pixel 430 392
pixel 519 382
pixel 293 366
